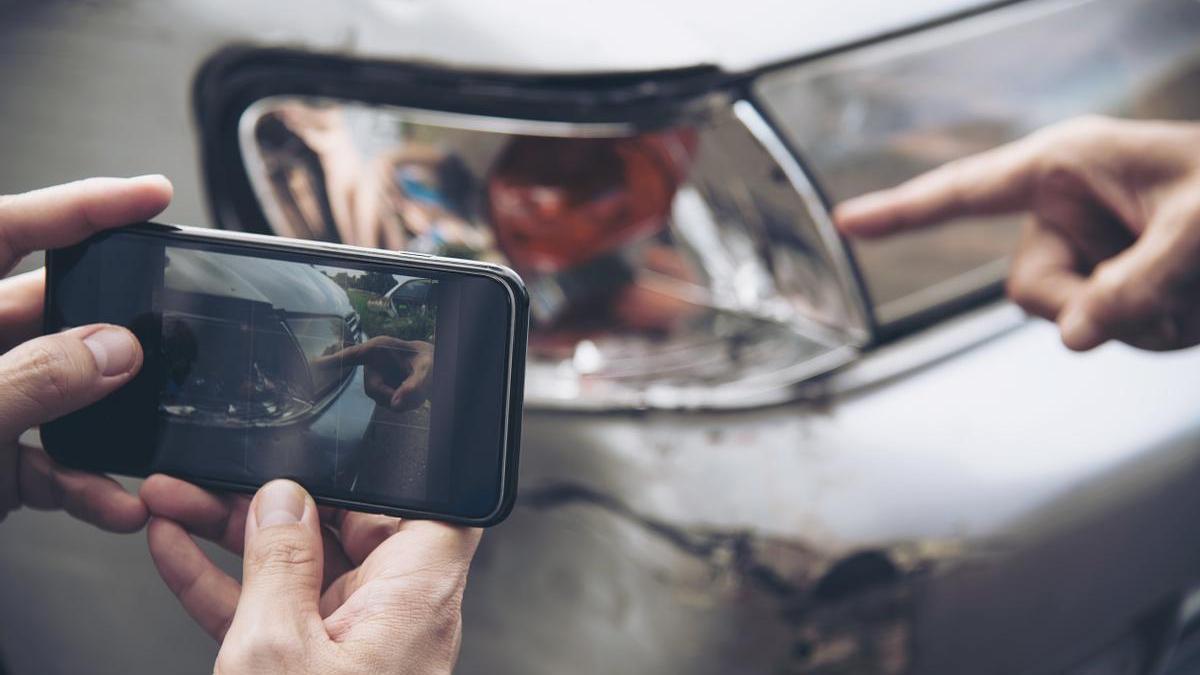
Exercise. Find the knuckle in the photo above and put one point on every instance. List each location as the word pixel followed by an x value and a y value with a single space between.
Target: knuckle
pixel 1110 282
pixel 1084 127
pixel 1062 144
pixel 436 622
pixel 279 553
pixel 1106 276
pixel 1105 284
pixel 1058 167
pixel 48 374
pixel 1115 296
pixel 447 633
pixel 957 186
pixel 444 645
pixel 439 602
pixel 443 594
pixel 1017 287
pixel 1094 123
pixel 448 616
pixel 381 529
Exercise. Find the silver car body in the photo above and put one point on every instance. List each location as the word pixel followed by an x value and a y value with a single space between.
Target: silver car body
pixel 970 498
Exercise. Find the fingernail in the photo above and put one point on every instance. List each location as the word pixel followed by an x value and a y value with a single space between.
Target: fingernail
pixel 1079 332
pixel 115 350
pixel 280 502
pixel 148 176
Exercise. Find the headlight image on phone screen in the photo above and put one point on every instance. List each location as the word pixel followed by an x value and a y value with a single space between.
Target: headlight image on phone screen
pixel 316 371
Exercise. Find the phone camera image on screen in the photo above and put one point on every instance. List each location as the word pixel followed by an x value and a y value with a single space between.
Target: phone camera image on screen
pixel 377 381
pixel 318 372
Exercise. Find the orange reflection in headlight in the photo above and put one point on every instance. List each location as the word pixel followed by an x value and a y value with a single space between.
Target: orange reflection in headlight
pixel 558 202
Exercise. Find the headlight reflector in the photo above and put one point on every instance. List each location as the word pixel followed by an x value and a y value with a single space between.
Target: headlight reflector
pixel 674 266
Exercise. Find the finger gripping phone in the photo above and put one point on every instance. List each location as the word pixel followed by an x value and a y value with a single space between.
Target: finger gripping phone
pixel 385 382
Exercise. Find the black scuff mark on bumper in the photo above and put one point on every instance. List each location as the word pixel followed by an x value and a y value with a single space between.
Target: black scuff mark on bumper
pixel 849 613
pixel 736 547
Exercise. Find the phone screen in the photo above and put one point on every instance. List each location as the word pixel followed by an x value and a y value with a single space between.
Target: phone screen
pixel 368 383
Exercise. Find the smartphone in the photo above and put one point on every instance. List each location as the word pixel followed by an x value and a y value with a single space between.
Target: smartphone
pixel 381 381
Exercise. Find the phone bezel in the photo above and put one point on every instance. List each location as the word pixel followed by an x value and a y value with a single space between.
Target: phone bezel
pixel 517 332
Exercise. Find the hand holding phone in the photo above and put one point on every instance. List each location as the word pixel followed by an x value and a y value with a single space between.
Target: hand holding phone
pixel 330 607
pixel 44 377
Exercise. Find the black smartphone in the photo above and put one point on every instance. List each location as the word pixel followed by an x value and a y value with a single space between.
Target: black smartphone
pixel 384 382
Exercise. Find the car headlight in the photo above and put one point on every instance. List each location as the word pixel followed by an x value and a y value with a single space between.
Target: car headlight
pixel 218 376
pixel 869 118
pixel 683 263
pixel 250 369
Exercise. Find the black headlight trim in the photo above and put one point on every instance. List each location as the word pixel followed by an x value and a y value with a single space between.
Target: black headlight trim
pixel 235 78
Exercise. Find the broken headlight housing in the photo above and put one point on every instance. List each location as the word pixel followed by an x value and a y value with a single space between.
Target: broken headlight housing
pixel 679 263
pixel 252 367
pixel 244 340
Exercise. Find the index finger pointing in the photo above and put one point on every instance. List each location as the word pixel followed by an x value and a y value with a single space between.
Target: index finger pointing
pixel 994 182
pixel 1045 271
pixel 66 214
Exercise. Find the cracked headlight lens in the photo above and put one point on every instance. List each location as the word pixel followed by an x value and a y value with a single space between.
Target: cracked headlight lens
pixel 246 383
pixel 234 357
pixel 873 117
pixel 683 265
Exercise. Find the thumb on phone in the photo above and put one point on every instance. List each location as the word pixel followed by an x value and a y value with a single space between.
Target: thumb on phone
pixel 281 574
pixel 52 375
